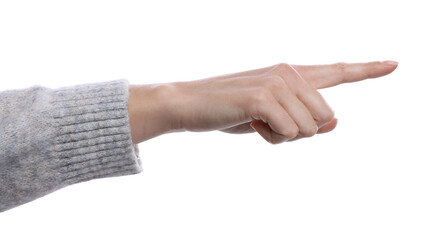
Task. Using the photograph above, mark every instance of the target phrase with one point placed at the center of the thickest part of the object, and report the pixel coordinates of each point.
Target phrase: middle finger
(310, 97)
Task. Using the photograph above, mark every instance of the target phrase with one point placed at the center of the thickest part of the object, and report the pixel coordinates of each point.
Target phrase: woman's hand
(280, 102)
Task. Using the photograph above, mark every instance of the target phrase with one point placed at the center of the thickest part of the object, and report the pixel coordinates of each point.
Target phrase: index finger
(324, 76)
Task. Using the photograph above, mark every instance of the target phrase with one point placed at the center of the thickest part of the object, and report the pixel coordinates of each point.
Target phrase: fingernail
(392, 63)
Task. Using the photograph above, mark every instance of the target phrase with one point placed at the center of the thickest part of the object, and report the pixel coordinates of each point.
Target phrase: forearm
(152, 110)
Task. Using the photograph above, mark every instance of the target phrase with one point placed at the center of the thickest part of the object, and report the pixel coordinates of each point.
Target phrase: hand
(280, 102)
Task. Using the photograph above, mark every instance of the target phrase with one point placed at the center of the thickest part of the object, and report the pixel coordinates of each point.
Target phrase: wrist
(152, 110)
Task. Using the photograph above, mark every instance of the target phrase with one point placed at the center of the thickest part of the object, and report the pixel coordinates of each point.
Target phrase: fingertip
(378, 69)
(389, 65)
(329, 126)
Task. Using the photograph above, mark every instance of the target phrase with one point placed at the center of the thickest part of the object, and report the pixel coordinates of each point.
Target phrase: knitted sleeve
(52, 138)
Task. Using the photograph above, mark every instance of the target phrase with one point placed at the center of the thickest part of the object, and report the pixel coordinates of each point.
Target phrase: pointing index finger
(324, 76)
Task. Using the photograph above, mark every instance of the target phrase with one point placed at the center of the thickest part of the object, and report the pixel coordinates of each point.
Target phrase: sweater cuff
(93, 136)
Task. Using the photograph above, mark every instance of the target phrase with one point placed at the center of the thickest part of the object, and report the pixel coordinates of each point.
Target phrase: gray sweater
(51, 138)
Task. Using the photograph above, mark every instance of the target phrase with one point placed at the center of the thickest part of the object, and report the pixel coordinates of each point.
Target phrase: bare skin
(280, 102)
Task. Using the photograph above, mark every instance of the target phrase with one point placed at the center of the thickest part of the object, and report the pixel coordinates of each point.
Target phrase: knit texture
(52, 138)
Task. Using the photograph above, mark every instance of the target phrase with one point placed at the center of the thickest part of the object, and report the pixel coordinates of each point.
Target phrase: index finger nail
(392, 63)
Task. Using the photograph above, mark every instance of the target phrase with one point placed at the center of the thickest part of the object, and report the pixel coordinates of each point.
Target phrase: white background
(364, 180)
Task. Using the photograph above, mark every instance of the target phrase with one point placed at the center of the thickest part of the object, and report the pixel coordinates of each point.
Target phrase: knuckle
(327, 116)
(309, 131)
(292, 133)
(273, 82)
(261, 95)
(341, 68)
(281, 68)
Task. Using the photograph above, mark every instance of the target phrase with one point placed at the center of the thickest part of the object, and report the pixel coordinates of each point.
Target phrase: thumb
(267, 132)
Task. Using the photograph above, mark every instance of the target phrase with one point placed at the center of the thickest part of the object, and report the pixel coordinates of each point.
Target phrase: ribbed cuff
(93, 137)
